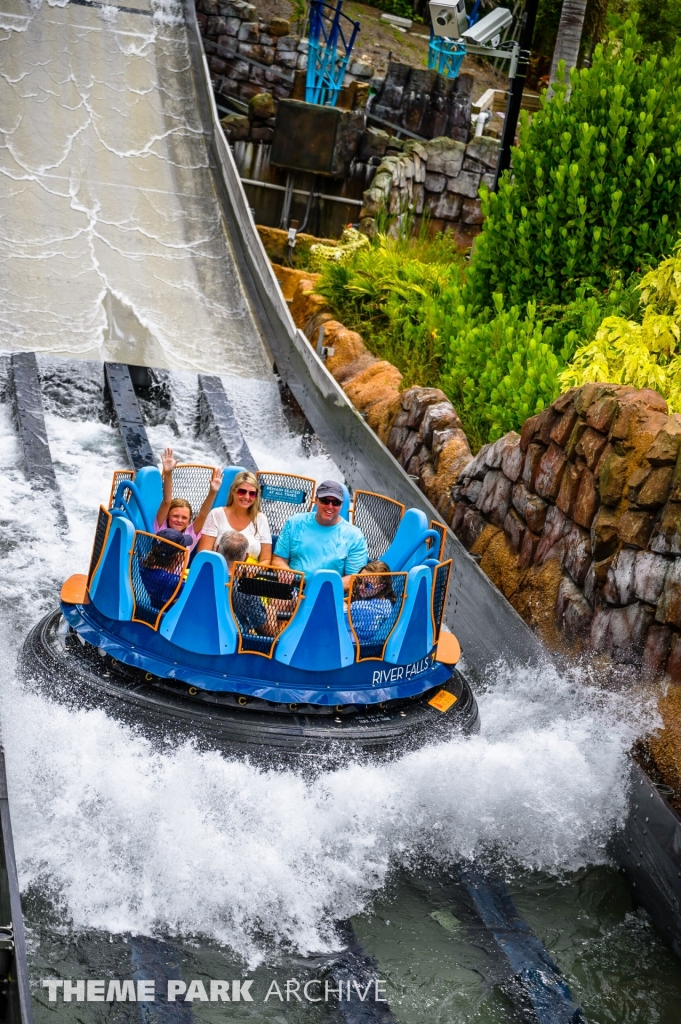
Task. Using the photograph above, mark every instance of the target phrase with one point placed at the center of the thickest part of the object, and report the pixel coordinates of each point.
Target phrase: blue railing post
(328, 52)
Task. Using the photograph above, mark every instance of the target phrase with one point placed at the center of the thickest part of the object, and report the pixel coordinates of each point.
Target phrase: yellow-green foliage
(351, 242)
(646, 354)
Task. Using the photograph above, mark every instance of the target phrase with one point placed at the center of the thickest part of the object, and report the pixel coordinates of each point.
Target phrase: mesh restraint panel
(263, 603)
(378, 518)
(440, 584)
(101, 533)
(120, 474)
(156, 571)
(434, 525)
(282, 495)
(374, 607)
(192, 482)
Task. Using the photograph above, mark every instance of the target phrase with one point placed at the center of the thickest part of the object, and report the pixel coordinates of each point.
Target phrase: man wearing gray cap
(321, 539)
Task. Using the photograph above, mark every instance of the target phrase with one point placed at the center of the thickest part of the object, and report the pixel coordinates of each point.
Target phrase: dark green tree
(595, 185)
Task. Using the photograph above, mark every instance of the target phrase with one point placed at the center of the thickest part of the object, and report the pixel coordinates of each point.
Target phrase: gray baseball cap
(331, 489)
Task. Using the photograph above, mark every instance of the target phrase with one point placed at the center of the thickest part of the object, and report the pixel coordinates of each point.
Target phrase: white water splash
(191, 843)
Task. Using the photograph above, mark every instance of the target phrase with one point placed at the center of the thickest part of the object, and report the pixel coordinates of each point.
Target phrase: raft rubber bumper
(55, 660)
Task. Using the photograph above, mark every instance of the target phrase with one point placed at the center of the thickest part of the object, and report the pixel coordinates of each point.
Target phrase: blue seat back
(200, 620)
(148, 491)
(283, 496)
(413, 637)
(110, 587)
(401, 556)
(317, 640)
(378, 518)
(345, 507)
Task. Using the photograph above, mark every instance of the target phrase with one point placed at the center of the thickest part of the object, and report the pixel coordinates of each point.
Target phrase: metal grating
(435, 525)
(101, 533)
(192, 482)
(378, 518)
(156, 568)
(282, 495)
(441, 576)
(120, 474)
(263, 603)
(374, 606)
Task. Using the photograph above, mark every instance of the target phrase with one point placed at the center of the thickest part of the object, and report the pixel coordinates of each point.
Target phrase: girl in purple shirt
(176, 513)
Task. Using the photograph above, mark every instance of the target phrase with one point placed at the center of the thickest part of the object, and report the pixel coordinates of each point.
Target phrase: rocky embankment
(419, 425)
(577, 520)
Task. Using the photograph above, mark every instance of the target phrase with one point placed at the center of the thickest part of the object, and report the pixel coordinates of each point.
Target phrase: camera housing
(488, 28)
(449, 18)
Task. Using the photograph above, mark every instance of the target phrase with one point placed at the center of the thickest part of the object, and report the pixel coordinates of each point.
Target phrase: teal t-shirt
(306, 545)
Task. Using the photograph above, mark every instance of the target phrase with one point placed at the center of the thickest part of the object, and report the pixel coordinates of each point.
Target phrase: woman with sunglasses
(241, 514)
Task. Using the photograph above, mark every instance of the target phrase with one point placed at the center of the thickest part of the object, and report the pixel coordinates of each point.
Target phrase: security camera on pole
(449, 19)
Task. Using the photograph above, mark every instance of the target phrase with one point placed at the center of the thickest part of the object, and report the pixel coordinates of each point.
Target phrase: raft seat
(263, 603)
(282, 495)
(156, 568)
(378, 518)
(317, 639)
(200, 620)
(191, 481)
(372, 614)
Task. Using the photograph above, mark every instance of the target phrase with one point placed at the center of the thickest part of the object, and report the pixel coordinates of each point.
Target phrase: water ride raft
(269, 662)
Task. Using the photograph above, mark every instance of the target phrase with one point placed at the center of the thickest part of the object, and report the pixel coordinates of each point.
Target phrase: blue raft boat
(269, 661)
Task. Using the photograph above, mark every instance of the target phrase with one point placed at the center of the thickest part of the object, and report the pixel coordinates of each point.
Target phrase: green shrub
(596, 186)
(385, 293)
(498, 371)
(402, 8)
(644, 351)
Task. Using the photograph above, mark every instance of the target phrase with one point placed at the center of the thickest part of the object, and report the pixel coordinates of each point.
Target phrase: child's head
(233, 547)
(168, 556)
(380, 586)
(179, 514)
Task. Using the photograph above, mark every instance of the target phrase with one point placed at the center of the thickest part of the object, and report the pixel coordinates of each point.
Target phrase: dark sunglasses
(243, 491)
(330, 501)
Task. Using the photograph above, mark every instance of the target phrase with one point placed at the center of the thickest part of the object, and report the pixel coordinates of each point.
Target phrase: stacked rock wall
(419, 425)
(592, 485)
(440, 179)
(277, 58)
(425, 102)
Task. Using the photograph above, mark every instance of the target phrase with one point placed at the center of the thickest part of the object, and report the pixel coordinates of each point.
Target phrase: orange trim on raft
(74, 589)
(448, 649)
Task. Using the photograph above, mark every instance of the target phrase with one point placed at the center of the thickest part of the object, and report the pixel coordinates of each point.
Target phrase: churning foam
(133, 839)
(188, 842)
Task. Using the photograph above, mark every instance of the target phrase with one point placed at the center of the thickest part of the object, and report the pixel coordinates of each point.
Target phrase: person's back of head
(233, 547)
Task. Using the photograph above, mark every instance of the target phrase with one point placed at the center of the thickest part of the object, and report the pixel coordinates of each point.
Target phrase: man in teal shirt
(321, 539)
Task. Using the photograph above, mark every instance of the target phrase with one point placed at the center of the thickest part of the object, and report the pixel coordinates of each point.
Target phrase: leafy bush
(646, 354)
(498, 372)
(402, 8)
(596, 185)
(386, 292)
